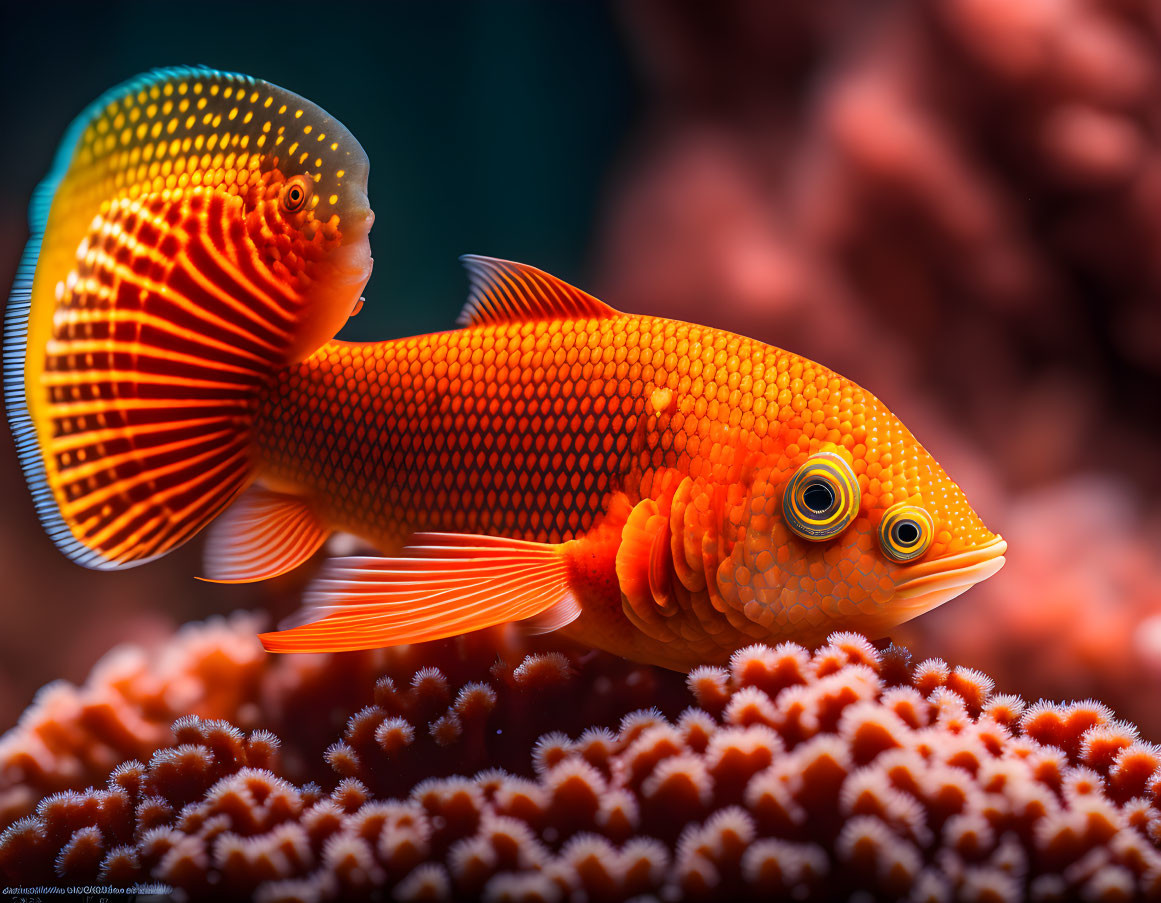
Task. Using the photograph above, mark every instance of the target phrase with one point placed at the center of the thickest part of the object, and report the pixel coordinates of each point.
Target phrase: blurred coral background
(956, 203)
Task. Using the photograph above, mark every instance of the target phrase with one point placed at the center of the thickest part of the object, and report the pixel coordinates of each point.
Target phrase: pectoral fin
(262, 535)
(450, 584)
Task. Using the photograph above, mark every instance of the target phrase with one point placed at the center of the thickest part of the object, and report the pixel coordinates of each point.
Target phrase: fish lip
(358, 223)
(364, 214)
(954, 573)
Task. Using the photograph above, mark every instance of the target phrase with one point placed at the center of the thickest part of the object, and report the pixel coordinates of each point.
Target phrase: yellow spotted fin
(198, 231)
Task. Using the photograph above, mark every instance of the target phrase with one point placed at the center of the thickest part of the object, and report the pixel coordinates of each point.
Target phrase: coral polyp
(790, 773)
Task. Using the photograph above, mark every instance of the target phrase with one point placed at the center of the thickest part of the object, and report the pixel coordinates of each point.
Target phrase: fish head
(280, 183)
(855, 527)
(313, 214)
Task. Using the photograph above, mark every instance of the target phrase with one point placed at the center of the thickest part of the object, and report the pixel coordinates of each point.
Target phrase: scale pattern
(662, 448)
(520, 430)
(524, 429)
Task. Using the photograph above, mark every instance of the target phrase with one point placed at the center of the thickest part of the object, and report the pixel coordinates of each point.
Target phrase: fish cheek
(754, 579)
(759, 579)
(311, 259)
(868, 581)
(802, 590)
(333, 285)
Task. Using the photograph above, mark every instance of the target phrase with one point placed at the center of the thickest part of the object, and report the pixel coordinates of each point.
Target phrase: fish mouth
(931, 583)
(356, 223)
(337, 289)
(351, 261)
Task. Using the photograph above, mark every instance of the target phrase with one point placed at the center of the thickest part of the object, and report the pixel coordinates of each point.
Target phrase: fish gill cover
(476, 770)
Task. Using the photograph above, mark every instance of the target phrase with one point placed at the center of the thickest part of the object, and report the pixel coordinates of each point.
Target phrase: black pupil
(907, 533)
(295, 195)
(818, 497)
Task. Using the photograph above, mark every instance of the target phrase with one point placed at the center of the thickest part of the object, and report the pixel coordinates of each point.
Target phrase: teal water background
(489, 126)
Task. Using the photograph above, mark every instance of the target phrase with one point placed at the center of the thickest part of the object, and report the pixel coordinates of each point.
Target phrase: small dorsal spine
(503, 291)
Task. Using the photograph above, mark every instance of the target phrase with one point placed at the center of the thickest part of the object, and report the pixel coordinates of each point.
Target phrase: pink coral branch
(793, 774)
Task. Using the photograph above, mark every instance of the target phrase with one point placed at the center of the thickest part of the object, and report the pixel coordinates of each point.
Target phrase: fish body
(655, 451)
(666, 491)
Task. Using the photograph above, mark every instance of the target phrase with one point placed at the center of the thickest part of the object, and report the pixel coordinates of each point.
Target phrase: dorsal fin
(503, 291)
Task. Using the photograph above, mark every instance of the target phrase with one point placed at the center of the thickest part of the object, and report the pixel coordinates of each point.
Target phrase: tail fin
(158, 292)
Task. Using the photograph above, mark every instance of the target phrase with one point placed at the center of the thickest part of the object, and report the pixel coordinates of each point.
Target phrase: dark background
(489, 126)
(957, 203)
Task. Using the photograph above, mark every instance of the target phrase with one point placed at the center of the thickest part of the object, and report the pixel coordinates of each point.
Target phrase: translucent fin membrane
(264, 534)
(453, 584)
(15, 349)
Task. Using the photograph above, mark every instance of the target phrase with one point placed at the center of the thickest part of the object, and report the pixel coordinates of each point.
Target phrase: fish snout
(931, 583)
(357, 222)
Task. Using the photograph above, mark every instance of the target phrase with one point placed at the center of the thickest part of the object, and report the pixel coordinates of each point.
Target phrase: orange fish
(662, 490)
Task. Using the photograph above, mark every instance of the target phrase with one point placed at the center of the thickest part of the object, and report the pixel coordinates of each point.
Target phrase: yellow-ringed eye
(294, 194)
(905, 532)
(822, 498)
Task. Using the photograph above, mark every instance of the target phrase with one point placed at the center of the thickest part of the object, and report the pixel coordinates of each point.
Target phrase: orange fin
(636, 541)
(262, 535)
(503, 291)
(643, 567)
(452, 584)
(646, 591)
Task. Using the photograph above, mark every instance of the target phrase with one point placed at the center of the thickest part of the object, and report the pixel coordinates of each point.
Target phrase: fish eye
(294, 194)
(822, 498)
(818, 496)
(905, 532)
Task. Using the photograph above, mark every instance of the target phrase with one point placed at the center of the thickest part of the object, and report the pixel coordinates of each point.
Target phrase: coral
(801, 774)
(418, 706)
(72, 736)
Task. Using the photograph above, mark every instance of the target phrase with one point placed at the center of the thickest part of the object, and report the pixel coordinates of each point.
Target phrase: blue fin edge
(20, 309)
